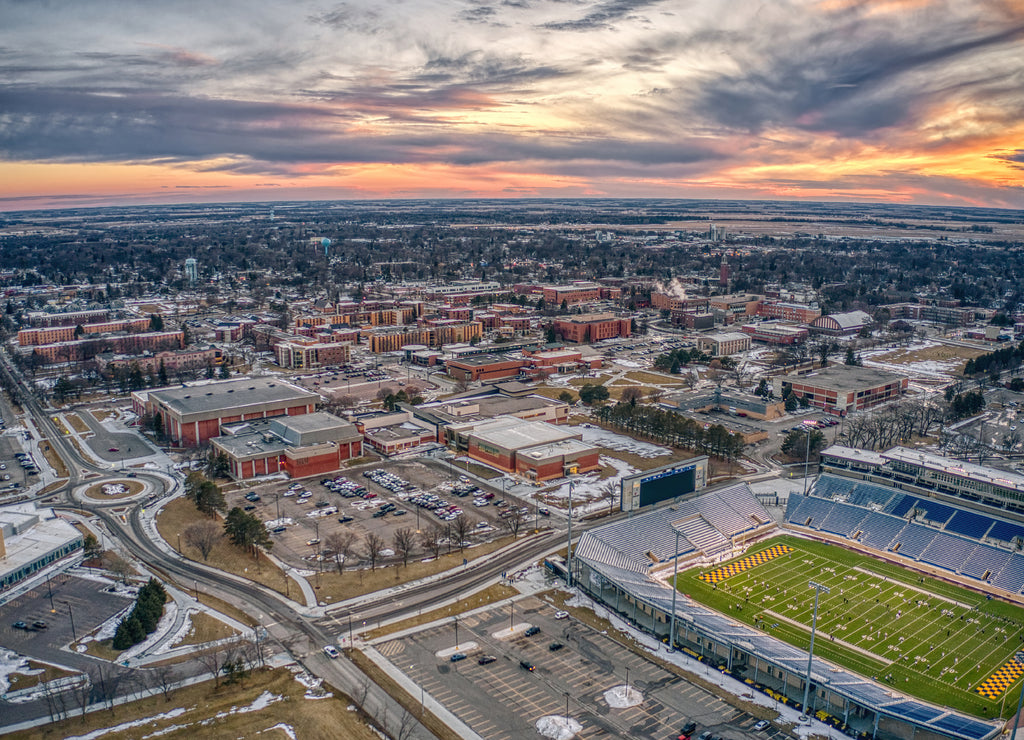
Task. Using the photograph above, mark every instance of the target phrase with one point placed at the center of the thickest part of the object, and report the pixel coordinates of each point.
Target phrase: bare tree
(655, 394)
(361, 692)
(610, 490)
(514, 521)
(343, 544)
(405, 541)
(632, 394)
(163, 678)
(118, 564)
(431, 540)
(203, 535)
(213, 662)
(461, 526)
(406, 727)
(372, 545)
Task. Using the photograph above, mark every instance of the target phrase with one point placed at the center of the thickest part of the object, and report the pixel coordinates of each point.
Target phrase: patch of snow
(623, 697)
(621, 443)
(627, 363)
(10, 662)
(285, 521)
(129, 725)
(387, 552)
(262, 701)
(286, 729)
(558, 727)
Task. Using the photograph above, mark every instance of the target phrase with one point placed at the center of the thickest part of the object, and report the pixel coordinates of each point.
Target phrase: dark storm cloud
(69, 126)
(852, 81)
(601, 15)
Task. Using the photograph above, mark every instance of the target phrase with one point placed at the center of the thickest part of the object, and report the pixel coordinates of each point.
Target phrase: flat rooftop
(556, 449)
(510, 433)
(478, 360)
(228, 394)
(958, 468)
(847, 377)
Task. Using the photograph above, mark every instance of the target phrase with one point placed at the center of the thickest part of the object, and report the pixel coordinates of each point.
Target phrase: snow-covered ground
(623, 697)
(938, 369)
(620, 442)
(558, 727)
(11, 662)
(587, 495)
(130, 725)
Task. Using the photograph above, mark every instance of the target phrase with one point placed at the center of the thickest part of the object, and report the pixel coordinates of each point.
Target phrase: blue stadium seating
(969, 524)
(866, 494)
(833, 486)
(1006, 531)
(900, 505)
(913, 540)
(843, 520)
(1011, 577)
(879, 530)
(934, 511)
(984, 560)
(948, 551)
(815, 509)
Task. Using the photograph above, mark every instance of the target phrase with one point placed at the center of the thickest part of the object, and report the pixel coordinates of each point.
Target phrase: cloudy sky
(143, 101)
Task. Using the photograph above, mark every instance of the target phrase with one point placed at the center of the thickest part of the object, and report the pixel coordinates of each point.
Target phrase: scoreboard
(661, 484)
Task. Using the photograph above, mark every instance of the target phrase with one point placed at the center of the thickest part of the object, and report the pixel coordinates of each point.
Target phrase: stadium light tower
(568, 550)
(818, 588)
(675, 590)
(807, 457)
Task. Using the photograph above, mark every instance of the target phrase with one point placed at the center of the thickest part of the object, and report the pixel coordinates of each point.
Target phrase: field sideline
(924, 637)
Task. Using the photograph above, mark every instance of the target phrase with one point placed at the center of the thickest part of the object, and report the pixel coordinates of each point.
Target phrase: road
(301, 637)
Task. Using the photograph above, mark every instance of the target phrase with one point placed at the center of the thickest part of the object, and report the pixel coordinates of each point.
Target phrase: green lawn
(924, 637)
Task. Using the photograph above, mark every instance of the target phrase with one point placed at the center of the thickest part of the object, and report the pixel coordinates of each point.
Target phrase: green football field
(923, 636)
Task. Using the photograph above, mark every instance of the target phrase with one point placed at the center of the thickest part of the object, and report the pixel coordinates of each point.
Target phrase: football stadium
(916, 566)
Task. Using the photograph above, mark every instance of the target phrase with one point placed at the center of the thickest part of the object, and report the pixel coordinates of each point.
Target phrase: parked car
(761, 725)
(19, 625)
(39, 624)
(485, 659)
(456, 657)
(531, 631)
(561, 614)
(555, 646)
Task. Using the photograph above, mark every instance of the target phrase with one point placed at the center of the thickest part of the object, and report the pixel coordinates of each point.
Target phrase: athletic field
(924, 637)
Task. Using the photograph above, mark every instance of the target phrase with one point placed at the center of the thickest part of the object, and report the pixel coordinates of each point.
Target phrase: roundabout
(113, 489)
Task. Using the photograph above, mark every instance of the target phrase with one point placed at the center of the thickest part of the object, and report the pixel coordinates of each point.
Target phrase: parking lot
(380, 500)
(80, 602)
(13, 474)
(502, 699)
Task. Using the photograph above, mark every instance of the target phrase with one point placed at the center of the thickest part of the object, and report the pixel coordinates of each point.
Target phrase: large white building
(30, 540)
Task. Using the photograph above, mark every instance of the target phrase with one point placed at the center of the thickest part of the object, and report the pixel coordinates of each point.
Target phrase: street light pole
(71, 615)
(818, 588)
(675, 590)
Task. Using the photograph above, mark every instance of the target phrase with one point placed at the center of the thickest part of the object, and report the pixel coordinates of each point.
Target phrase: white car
(561, 615)
(331, 652)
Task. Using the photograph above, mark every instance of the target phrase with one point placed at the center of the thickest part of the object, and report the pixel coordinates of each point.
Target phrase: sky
(907, 101)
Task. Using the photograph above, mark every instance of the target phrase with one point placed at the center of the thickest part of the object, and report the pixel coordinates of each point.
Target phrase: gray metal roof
(231, 394)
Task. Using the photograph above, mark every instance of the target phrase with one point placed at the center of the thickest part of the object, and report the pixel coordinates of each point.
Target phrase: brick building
(309, 355)
(193, 414)
(67, 318)
(725, 343)
(842, 388)
(484, 367)
(533, 449)
(301, 446)
(86, 349)
(840, 324)
(555, 295)
(771, 332)
(172, 360)
(798, 312)
(594, 327)
(53, 334)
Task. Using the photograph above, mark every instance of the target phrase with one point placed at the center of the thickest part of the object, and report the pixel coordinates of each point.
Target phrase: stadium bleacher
(722, 516)
(866, 494)
(985, 562)
(705, 538)
(1006, 532)
(849, 509)
(969, 524)
(913, 540)
(879, 530)
(843, 520)
(833, 487)
(1011, 577)
(948, 551)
